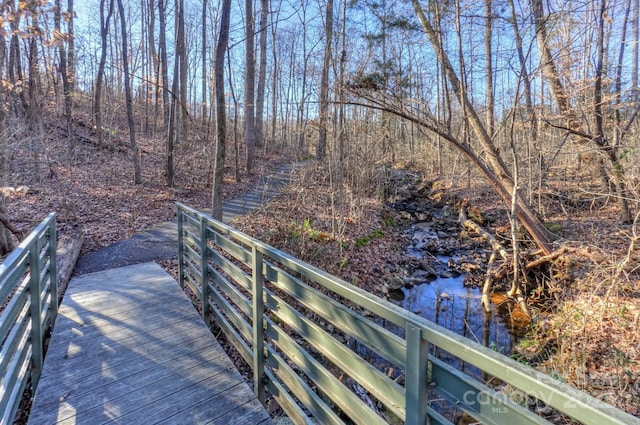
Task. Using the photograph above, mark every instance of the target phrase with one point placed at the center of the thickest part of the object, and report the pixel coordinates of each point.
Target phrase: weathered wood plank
(129, 347)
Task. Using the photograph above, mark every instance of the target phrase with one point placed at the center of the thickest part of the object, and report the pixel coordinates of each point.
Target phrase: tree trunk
(173, 123)
(249, 87)
(71, 51)
(262, 73)
(181, 50)
(135, 152)
(221, 127)
(204, 69)
(275, 65)
(64, 75)
(15, 72)
(495, 169)
(236, 109)
(97, 106)
(35, 106)
(618, 81)
(573, 125)
(635, 37)
(151, 33)
(321, 147)
(165, 66)
(488, 67)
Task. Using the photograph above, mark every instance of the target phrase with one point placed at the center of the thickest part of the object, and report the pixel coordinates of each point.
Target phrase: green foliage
(520, 358)
(389, 222)
(495, 347)
(363, 241)
(625, 154)
(307, 230)
(554, 228)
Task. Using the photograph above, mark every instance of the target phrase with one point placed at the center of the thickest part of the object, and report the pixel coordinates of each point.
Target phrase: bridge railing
(329, 352)
(28, 305)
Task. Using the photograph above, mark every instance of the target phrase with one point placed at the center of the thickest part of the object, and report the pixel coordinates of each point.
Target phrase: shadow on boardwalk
(160, 242)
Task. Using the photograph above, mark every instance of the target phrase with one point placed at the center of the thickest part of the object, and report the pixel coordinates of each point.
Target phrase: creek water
(447, 301)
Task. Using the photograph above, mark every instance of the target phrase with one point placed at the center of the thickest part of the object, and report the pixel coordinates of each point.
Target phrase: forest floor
(586, 330)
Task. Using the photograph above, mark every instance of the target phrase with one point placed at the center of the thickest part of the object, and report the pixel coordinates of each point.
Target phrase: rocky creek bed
(440, 277)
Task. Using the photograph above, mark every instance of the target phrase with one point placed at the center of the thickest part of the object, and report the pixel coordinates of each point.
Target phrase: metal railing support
(416, 376)
(258, 324)
(204, 268)
(35, 289)
(180, 249)
(53, 270)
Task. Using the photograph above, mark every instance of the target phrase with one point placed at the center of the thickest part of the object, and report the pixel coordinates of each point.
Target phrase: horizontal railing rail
(324, 349)
(29, 300)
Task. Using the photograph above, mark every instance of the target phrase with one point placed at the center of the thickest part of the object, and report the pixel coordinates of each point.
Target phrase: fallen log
(67, 253)
(496, 247)
(472, 225)
(546, 258)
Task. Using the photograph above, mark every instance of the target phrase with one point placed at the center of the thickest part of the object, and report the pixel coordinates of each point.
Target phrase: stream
(435, 281)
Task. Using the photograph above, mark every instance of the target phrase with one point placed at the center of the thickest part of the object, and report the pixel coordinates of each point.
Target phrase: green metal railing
(312, 340)
(28, 295)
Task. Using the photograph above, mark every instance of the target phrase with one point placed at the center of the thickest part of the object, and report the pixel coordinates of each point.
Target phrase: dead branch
(472, 225)
(546, 258)
(486, 302)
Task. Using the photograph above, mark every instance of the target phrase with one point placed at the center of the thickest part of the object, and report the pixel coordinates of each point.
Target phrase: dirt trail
(160, 241)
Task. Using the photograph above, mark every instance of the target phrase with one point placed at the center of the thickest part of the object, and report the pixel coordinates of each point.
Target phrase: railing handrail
(423, 372)
(29, 292)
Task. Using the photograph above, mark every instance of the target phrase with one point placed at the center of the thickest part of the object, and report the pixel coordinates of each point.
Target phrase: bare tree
(221, 127)
(635, 37)
(97, 102)
(71, 49)
(61, 39)
(181, 57)
(249, 86)
(135, 152)
(574, 127)
(488, 47)
(262, 72)
(321, 147)
(162, 46)
(204, 67)
(494, 167)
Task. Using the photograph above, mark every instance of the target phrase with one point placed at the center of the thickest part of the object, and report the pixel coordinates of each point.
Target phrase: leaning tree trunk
(495, 169)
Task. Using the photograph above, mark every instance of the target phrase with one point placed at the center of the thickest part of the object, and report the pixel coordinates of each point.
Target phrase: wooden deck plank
(128, 347)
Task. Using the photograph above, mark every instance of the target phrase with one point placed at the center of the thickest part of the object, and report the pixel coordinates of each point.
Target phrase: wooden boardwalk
(129, 348)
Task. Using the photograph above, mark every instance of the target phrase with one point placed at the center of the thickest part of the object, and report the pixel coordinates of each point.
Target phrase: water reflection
(447, 302)
(450, 304)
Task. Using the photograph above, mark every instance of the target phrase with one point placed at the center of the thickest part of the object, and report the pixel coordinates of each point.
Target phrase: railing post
(416, 376)
(53, 268)
(180, 249)
(204, 268)
(258, 323)
(36, 312)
